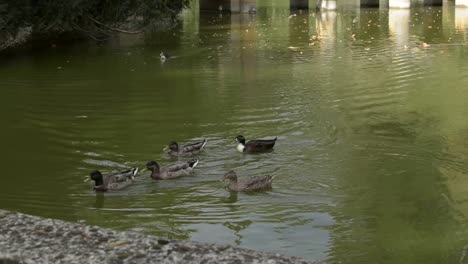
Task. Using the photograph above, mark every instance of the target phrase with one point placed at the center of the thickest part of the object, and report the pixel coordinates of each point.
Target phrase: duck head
(240, 144)
(240, 139)
(231, 176)
(173, 146)
(96, 176)
(152, 166)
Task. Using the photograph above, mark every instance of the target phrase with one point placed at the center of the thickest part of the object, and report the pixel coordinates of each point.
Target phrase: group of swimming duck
(120, 180)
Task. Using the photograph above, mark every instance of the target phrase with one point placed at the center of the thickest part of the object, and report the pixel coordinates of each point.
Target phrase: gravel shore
(31, 239)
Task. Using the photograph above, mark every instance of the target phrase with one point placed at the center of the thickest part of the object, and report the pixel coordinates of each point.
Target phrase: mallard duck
(171, 171)
(164, 55)
(191, 149)
(258, 145)
(257, 183)
(112, 182)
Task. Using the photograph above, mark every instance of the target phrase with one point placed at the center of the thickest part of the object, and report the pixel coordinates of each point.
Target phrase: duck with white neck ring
(164, 55)
(252, 146)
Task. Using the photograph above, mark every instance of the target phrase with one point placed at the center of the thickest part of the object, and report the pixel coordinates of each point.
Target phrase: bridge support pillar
(432, 2)
(370, 3)
(461, 3)
(298, 4)
(399, 3)
(326, 4)
(234, 6)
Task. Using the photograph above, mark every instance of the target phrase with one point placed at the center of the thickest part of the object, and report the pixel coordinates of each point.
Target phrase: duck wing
(176, 167)
(118, 180)
(256, 183)
(179, 169)
(194, 147)
(123, 176)
(260, 145)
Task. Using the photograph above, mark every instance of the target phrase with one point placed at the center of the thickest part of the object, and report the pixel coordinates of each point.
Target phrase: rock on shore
(30, 239)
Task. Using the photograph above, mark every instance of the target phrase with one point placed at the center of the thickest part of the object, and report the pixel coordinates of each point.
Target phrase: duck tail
(204, 143)
(193, 163)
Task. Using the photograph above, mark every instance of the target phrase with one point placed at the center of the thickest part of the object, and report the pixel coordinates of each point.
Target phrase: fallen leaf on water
(118, 243)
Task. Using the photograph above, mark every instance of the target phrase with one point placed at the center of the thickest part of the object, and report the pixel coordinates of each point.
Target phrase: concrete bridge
(249, 6)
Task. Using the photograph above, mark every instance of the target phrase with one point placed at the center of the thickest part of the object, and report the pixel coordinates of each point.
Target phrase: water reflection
(398, 23)
(99, 203)
(327, 5)
(461, 21)
(326, 29)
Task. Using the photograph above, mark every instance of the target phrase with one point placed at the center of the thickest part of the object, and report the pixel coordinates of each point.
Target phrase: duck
(164, 55)
(257, 183)
(258, 145)
(112, 182)
(172, 171)
(191, 149)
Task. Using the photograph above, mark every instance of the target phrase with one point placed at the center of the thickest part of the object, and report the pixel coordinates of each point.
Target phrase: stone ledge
(31, 239)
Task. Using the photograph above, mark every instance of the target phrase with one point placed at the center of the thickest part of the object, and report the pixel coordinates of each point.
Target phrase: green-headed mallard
(257, 183)
(114, 181)
(258, 145)
(171, 171)
(187, 150)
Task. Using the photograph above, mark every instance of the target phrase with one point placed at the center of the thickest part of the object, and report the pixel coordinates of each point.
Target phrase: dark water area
(369, 107)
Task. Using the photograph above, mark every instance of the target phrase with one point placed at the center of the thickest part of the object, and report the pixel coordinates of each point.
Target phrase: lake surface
(371, 160)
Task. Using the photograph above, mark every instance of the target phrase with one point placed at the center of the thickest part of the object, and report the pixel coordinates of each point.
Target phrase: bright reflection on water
(371, 160)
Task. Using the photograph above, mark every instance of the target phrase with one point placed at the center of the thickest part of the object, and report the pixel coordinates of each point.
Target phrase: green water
(371, 160)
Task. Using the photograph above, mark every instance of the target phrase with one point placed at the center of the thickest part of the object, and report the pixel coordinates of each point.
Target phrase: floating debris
(118, 243)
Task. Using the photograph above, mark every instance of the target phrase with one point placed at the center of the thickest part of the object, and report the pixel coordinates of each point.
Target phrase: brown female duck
(187, 150)
(170, 172)
(258, 145)
(257, 183)
(112, 182)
